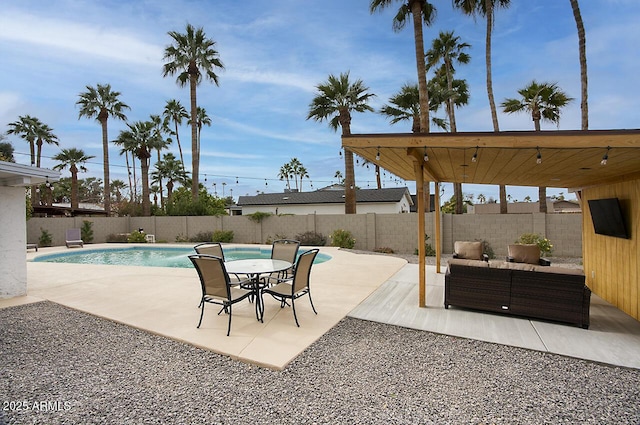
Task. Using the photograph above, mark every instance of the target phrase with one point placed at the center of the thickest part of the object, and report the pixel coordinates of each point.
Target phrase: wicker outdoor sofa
(541, 292)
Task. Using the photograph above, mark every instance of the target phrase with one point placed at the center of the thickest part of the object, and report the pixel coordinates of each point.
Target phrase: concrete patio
(370, 287)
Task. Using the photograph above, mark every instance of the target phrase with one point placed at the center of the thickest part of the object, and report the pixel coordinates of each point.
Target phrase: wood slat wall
(612, 265)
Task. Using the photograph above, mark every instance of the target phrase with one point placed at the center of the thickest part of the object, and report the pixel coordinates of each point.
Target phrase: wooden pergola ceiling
(570, 159)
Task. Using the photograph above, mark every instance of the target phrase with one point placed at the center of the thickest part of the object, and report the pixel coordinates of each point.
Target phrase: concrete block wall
(371, 231)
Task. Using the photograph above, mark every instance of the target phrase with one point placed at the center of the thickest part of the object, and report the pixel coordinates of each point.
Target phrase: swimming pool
(154, 256)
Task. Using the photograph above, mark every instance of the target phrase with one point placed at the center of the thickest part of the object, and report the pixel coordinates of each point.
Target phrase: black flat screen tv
(607, 217)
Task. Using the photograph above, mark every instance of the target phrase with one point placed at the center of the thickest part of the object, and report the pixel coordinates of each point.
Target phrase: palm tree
(35, 132)
(582, 47)
(422, 12)
(101, 103)
(172, 170)
(543, 101)
(487, 8)
(284, 173)
(125, 140)
(74, 159)
(174, 111)
(143, 139)
(338, 176)
(192, 56)
(336, 99)
(118, 186)
(448, 50)
(160, 128)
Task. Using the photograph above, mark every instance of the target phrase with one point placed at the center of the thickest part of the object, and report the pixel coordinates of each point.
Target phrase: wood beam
(419, 174)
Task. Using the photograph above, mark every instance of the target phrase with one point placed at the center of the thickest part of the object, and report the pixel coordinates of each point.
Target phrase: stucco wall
(12, 242)
(371, 231)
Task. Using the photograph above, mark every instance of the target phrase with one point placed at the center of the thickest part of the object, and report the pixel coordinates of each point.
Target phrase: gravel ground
(60, 366)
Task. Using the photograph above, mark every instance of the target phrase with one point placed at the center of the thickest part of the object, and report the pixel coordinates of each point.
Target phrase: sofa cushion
(468, 263)
(525, 253)
(512, 266)
(559, 270)
(468, 250)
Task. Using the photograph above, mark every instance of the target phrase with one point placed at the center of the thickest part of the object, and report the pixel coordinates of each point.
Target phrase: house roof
(17, 175)
(325, 197)
(568, 158)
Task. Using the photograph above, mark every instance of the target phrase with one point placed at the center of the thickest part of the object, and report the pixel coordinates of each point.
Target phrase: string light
(605, 157)
(539, 156)
(426, 157)
(378, 154)
(474, 158)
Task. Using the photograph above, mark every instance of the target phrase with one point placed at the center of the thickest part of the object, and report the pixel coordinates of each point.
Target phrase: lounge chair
(297, 286)
(73, 238)
(216, 286)
(32, 246)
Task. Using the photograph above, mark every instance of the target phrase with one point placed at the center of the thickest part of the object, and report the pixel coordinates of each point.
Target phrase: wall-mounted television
(607, 217)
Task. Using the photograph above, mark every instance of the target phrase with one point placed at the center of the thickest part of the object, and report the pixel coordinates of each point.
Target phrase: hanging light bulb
(340, 153)
(378, 154)
(236, 180)
(538, 157)
(605, 157)
(474, 158)
(426, 157)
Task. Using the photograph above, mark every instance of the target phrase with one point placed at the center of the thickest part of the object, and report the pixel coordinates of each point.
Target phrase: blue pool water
(153, 256)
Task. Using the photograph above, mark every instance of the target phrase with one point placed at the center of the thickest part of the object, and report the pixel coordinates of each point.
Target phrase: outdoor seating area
(372, 287)
(73, 238)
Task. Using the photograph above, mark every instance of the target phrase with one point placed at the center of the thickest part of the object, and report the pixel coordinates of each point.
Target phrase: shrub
(311, 238)
(136, 237)
(342, 239)
(45, 238)
(222, 236)
(487, 249)
(118, 238)
(181, 238)
(86, 231)
(532, 238)
(428, 249)
(202, 237)
(258, 216)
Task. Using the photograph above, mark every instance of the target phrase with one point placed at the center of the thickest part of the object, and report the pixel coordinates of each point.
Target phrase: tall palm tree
(174, 111)
(101, 103)
(192, 56)
(582, 47)
(23, 127)
(543, 101)
(335, 100)
(422, 12)
(284, 173)
(448, 50)
(487, 9)
(118, 186)
(74, 159)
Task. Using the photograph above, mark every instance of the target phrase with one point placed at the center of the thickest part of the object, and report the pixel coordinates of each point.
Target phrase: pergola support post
(418, 168)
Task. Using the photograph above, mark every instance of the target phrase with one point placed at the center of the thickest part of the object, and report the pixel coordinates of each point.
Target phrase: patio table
(255, 268)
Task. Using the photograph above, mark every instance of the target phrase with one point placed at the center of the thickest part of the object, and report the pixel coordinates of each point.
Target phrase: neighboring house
(526, 207)
(328, 201)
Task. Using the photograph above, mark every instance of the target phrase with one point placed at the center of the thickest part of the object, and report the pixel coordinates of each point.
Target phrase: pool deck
(371, 287)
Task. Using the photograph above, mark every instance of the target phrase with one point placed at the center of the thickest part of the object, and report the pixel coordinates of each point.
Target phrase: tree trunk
(105, 161)
(74, 186)
(503, 199)
(144, 156)
(542, 197)
(416, 11)
(349, 172)
(195, 154)
(179, 145)
(582, 43)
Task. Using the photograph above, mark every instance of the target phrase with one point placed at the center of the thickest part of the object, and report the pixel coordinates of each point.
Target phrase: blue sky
(275, 53)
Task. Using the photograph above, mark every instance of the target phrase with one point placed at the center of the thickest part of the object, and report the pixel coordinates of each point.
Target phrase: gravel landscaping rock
(61, 366)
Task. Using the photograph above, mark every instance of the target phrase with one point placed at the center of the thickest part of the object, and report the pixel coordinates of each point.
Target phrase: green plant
(532, 238)
(342, 239)
(428, 249)
(136, 237)
(202, 237)
(311, 238)
(86, 231)
(384, 250)
(181, 238)
(258, 216)
(222, 236)
(45, 238)
(488, 250)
